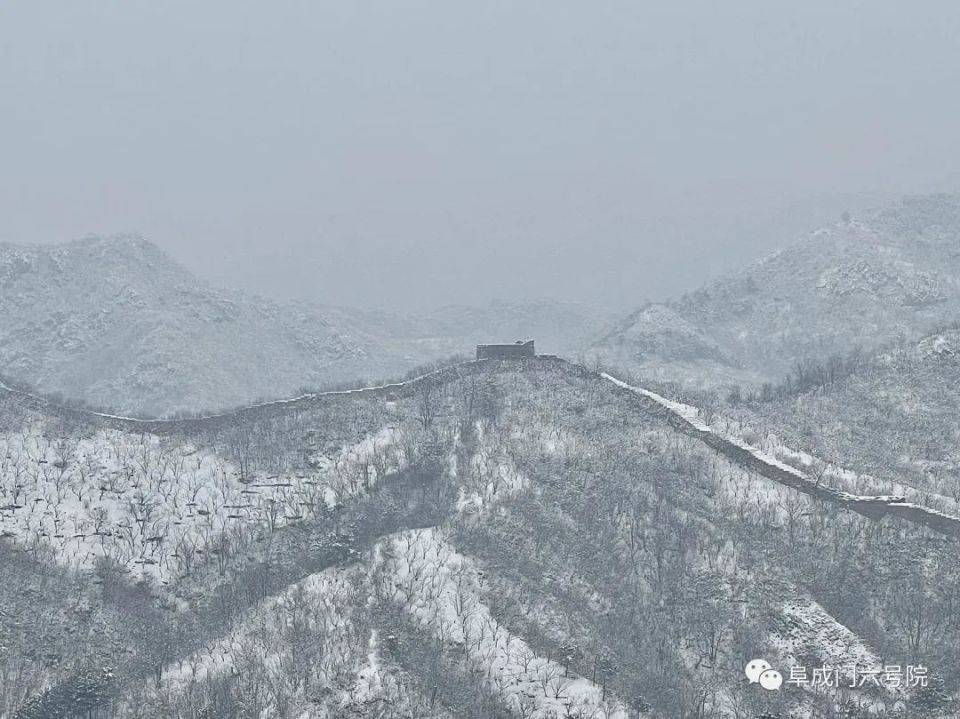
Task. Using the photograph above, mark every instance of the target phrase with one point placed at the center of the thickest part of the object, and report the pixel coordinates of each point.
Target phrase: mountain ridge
(116, 322)
(515, 541)
(859, 282)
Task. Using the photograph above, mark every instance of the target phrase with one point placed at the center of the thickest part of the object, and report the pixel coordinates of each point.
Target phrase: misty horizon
(264, 274)
(411, 156)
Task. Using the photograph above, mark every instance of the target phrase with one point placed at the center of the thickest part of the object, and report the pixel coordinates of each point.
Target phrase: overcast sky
(404, 153)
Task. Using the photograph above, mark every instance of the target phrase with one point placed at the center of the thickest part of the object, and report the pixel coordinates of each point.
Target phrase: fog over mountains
(862, 282)
(117, 323)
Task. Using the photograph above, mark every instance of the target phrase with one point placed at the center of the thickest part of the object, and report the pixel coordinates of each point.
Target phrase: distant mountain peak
(858, 282)
(116, 321)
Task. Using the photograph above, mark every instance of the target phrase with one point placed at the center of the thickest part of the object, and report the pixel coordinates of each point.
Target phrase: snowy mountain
(495, 540)
(116, 322)
(894, 415)
(487, 540)
(862, 282)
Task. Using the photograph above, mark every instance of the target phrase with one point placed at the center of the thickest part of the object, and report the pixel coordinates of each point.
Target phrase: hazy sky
(403, 153)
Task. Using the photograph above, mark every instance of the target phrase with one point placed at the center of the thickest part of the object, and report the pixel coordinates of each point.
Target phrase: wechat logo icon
(760, 672)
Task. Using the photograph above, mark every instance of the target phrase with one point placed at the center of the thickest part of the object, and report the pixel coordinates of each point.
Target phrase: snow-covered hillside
(499, 540)
(115, 322)
(893, 417)
(859, 283)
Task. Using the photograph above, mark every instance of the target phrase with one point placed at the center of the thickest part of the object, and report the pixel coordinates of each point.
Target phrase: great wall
(734, 449)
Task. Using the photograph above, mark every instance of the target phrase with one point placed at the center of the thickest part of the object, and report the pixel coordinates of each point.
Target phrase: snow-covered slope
(498, 541)
(116, 322)
(862, 282)
(895, 417)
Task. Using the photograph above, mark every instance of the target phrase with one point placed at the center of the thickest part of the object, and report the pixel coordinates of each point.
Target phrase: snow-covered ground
(438, 587)
(310, 647)
(490, 474)
(811, 630)
(830, 474)
(317, 603)
(938, 511)
(441, 589)
(812, 641)
(157, 506)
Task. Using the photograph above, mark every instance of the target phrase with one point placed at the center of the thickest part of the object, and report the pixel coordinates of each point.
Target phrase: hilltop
(862, 282)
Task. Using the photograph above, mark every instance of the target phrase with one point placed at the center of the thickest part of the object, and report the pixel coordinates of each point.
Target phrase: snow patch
(441, 589)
